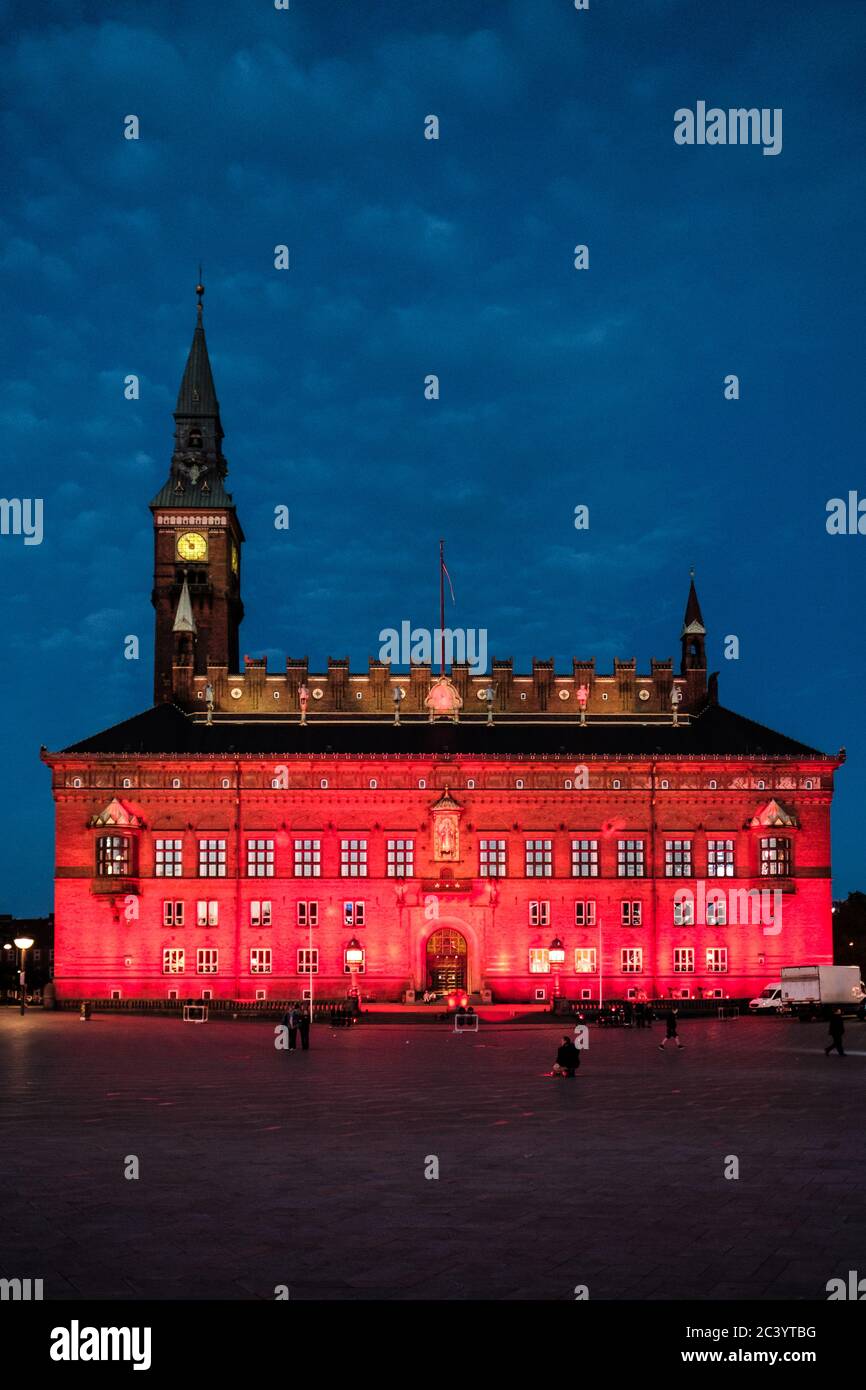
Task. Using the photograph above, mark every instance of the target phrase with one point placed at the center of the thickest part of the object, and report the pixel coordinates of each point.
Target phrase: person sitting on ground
(567, 1058)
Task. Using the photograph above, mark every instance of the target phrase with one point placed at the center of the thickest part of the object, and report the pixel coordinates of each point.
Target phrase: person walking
(671, 1030)
(305, 1028)
(567, 1058)
(837, 1029)
(291, 1020)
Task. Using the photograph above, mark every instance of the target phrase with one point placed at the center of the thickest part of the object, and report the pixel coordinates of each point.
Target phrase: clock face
(236, 559)
(192, 545)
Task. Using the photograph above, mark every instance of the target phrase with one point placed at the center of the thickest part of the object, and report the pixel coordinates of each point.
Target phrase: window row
(114, 857)
(631, 960)
(260, 959)
(261, 913)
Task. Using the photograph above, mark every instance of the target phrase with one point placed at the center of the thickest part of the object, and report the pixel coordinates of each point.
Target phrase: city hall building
(258, 834)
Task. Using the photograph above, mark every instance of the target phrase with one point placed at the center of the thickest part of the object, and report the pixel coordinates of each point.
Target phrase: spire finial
(691, 571)
(199, 289)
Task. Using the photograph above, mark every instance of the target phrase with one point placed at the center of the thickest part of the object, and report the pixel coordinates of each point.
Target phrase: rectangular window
(353, 858)
(206, 960)
(684, 912)
(585, 960)
(173, 958)
(491, 858)
(584, 858)
(539, 914)
(632, 960)
(401, 858)
(353, 914)
(720, 858)
(260, 914)
(775, 857)
(308, 859)
(584, 912)
(260, 858)
(630, 912)
(678, 858)
(207, 913)
(211, 858)
(308, 960)
(717, 959)
(260, 960)
(539, 858)
(113, 857)
(172, 913)
(630, 858)
(308, 913)
(169, 858)
(717, 912)
(684, 960)
(539, 960)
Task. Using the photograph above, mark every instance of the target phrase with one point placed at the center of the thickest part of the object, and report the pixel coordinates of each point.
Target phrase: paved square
(260, 1168)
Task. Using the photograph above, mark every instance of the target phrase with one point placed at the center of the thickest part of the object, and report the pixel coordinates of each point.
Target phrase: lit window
(324, 784)
(616, 784)
(207, 913)
(539, 859)
(422, 784)
(308, 960)
(401, 858)
(717, 959)
(630, 912)
(632, 960)
(585, 960)
(353, 914)
(664, 784)
(491, 858)
(211, 858)
(630, 858)
(172, 913)
(260, 914)
(308, 913)
(260, 960)
(720, 858)
(713, 786)
(678, 858)
(113, 855)
(584, 912)
(373, 784)
(173, 958)
(308, 859)
(207, 960)
(175, 782)
(717, 911)
(539, 960)
(169, 858)
(519, 784)
(353, 858)
(775, 857)
(127, 782)
(584, 858)
(684, 960)
(684, 912)
(539, 914)
(470, 785)
(260, 858)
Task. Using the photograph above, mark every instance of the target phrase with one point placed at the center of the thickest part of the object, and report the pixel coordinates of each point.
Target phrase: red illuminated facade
(256, 834)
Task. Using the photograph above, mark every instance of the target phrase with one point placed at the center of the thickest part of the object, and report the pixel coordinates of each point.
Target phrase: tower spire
(693, 635)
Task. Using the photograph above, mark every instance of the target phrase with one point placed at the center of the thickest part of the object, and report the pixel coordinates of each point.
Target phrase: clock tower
(197, 541)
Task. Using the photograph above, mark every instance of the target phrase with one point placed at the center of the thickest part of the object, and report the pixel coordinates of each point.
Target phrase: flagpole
(442, 608)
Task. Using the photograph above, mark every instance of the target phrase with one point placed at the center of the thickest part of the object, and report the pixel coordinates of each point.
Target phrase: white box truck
(811, 991)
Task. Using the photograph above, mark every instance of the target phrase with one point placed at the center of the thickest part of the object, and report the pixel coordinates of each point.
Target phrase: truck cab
(769, 1001)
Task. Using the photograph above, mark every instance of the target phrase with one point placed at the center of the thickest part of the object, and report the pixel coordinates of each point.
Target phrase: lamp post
(556, 956)
(354, 959)
(23, 943)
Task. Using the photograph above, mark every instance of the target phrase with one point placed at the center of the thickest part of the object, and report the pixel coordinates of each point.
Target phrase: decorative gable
(116, 814)
(774, 815)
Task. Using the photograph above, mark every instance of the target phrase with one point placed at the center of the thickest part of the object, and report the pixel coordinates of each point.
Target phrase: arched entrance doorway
(446, 960)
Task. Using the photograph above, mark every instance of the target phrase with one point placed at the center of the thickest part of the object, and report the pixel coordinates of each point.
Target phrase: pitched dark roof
(193, 496)
(166, 729)
(693, 612)
(197, 394)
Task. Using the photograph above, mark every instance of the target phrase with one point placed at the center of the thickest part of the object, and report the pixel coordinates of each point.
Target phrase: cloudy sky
(559, 387)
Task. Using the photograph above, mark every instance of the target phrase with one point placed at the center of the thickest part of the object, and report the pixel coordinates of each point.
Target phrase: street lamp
(23, 943)
(556, 956)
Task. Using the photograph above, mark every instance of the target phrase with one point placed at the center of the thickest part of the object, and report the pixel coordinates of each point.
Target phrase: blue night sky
(409, 257)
